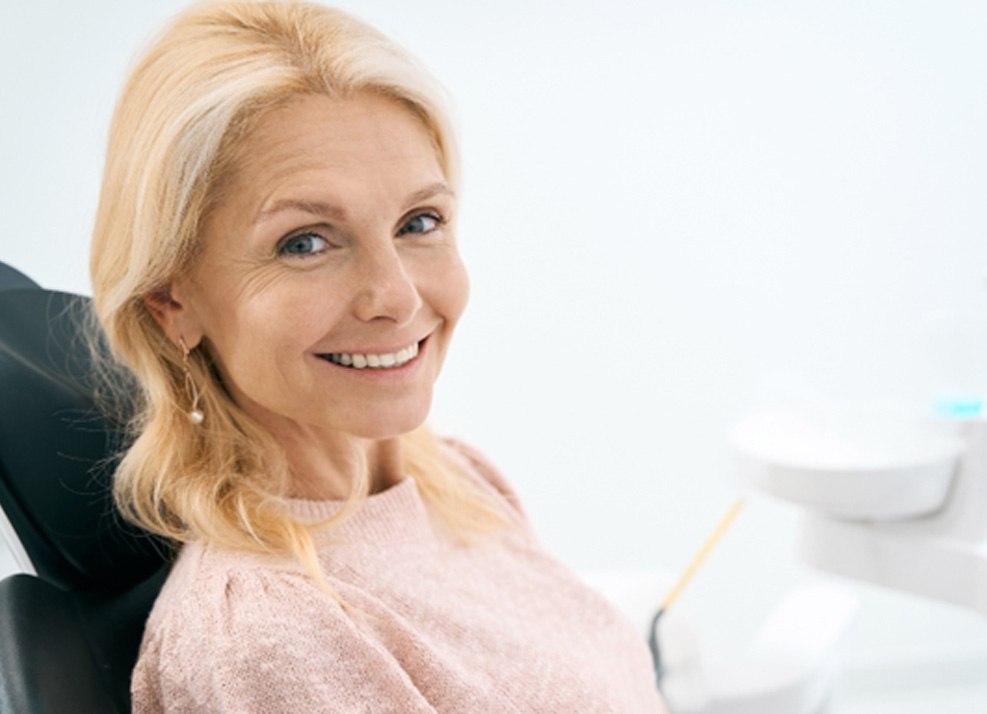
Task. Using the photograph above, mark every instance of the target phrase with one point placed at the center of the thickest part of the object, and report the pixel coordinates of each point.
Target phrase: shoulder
(217, 610)
(218, 593)
(242, 632)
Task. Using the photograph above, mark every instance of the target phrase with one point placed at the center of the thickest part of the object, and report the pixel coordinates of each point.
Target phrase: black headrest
(57, 447)
(12, 279)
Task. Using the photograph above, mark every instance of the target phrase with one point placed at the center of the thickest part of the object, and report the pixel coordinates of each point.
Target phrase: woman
(274, 258)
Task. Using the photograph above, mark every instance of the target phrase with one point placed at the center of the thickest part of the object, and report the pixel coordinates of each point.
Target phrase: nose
(386, 290)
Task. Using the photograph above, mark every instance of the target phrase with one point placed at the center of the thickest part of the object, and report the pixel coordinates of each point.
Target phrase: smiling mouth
(389, 360)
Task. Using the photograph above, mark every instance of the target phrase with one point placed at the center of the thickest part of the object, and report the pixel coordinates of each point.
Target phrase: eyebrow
(321, 208)
(431, 191)
(318, 208)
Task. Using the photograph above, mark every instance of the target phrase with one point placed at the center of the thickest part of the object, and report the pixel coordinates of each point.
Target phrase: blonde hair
(204, 82)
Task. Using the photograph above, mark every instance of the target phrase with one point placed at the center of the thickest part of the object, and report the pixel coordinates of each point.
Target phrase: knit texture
(498, 626)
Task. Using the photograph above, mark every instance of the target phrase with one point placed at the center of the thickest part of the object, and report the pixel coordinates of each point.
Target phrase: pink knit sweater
(495, 627)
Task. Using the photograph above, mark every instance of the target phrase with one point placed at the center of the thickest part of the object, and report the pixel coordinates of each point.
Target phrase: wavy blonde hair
(196, 93)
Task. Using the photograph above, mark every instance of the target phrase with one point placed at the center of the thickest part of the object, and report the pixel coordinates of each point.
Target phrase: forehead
(363, 140)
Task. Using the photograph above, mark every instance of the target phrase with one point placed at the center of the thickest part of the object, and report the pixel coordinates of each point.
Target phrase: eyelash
(287, 240)
(282, 245)
(438, 218)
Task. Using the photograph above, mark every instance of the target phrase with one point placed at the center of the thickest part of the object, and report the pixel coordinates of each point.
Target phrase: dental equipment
(896, 501)
(684, 579)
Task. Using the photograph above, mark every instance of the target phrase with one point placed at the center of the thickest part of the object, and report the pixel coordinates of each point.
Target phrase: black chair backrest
(68, 637)
(56, 448)
(11, 278)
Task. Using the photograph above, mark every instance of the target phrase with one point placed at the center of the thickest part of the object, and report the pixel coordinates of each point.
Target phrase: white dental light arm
(889, 500)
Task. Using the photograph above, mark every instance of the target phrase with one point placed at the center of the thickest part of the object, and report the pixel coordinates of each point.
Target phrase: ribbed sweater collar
(397, 513)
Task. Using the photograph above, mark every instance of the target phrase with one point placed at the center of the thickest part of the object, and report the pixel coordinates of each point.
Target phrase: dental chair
(11, 279)
(71, 623)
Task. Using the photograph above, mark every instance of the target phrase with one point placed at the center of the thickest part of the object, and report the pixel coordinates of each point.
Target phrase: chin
(389, 426)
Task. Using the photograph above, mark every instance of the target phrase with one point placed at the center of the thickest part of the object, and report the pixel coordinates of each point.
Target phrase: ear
(170, 308)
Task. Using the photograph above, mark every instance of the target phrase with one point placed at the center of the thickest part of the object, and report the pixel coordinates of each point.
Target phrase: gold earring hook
(195, 414)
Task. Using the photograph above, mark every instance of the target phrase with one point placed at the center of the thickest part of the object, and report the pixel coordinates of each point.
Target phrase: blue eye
(421, 224)
(302, 244)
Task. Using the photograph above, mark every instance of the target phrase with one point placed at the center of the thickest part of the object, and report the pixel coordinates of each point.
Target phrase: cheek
(452, 291)
(252, 342)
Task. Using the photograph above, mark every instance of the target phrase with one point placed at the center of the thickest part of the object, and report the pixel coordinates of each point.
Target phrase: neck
(324, 471)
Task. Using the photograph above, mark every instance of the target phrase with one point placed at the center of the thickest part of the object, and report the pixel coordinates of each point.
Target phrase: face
(329, 282)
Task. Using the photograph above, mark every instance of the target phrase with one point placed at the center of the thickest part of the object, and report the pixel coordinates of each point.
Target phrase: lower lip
(382, 374)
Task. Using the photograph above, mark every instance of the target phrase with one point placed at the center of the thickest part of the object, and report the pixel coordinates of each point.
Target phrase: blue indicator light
(963, 407)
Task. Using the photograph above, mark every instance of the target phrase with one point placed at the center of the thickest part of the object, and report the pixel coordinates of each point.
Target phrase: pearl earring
(195, 414)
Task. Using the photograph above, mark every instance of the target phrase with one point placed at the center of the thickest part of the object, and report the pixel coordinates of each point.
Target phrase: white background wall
(674, 211)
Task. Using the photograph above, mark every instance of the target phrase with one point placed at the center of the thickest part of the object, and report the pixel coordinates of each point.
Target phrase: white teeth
(372, 361)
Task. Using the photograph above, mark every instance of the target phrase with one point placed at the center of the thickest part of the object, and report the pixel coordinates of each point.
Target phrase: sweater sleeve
(267, 642)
